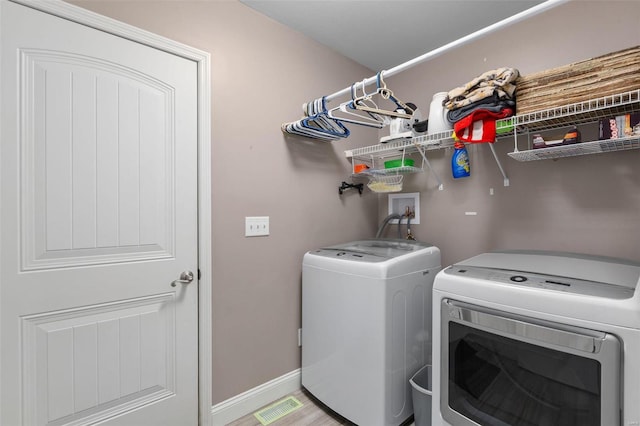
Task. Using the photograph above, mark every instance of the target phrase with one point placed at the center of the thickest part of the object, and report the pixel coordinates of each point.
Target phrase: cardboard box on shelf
(620, 126)
(609, 74)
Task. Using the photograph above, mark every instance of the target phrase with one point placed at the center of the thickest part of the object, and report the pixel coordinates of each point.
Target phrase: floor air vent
(277, 410)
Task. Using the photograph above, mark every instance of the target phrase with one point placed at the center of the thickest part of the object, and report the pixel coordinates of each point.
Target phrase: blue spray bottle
(460, 161)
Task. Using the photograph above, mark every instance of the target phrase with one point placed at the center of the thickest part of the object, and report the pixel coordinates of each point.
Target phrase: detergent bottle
(460, 161)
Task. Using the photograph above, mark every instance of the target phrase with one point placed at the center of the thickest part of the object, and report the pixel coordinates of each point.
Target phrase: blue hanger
(317, 124)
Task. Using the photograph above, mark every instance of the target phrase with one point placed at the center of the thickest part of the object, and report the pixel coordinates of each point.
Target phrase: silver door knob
(185, 278)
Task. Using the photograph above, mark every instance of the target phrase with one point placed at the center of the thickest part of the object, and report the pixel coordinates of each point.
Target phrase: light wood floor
(313, 413)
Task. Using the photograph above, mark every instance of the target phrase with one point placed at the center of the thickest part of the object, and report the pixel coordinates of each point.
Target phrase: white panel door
(98, 209)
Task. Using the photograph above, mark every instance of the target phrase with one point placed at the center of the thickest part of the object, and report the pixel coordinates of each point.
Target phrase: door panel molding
(85, 232)
(89, 344)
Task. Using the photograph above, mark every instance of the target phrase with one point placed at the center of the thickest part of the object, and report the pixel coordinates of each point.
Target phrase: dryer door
(499, 369)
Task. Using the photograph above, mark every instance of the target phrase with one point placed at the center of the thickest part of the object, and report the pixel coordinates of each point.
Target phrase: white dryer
(538, 339)
(366, 322)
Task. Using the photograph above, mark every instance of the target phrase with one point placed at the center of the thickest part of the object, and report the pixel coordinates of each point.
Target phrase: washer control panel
(354, 256)
(547, 282)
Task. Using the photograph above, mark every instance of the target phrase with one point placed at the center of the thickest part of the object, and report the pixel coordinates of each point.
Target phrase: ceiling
(381, 34)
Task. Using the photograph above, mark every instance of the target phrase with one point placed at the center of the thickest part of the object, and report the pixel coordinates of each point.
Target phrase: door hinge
(199, 274)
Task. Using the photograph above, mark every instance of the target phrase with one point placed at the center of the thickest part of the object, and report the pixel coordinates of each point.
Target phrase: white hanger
(385, 93)
(348, 108)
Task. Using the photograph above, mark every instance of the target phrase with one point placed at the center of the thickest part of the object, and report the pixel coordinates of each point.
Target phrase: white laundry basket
(421, 395)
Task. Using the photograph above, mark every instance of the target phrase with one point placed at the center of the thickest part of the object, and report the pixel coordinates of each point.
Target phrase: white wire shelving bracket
(505, 179)
(573, 114)
(426, 161)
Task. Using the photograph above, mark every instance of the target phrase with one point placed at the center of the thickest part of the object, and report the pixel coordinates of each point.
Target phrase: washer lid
(381, 247)
(352, 255)
(607, 270)
(382, 258)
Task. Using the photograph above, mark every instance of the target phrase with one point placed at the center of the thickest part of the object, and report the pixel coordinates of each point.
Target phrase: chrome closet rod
(461, 41)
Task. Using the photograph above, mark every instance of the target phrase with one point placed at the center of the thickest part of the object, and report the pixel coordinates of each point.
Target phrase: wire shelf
(382, 150)
(584, 148)
(434, 141)
(573, 114)
(408, 146)
(418, 144)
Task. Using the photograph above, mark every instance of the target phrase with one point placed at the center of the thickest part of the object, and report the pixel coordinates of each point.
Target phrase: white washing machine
(537, 339)
(366, 322)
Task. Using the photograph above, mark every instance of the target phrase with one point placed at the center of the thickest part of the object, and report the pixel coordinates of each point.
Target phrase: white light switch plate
(256, 226)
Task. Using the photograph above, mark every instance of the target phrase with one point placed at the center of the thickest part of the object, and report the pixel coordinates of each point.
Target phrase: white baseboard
(253, 399)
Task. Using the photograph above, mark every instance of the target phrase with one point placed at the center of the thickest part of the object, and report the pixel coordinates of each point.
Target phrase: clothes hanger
(406, 107)
(348, 108)
(317, 125)
(324, 124)
(385, 93)
(304, 129)
(322, 118)
(366, 100)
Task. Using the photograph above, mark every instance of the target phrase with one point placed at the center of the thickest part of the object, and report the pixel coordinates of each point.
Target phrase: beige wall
(583, 204)
(262, 72)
